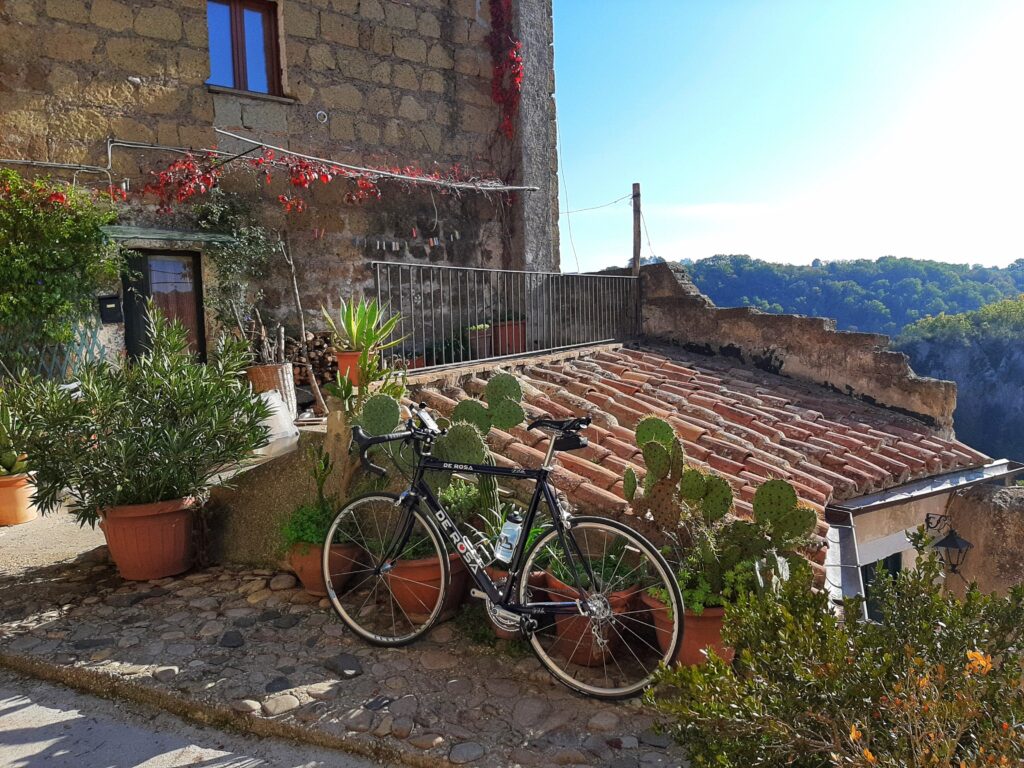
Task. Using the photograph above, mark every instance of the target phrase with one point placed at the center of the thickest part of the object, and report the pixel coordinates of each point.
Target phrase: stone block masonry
(369, 82)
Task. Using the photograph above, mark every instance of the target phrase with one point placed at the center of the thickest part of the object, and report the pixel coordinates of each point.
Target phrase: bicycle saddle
(561, 425)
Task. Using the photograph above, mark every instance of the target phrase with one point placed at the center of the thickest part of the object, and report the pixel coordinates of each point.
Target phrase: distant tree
(880, 296)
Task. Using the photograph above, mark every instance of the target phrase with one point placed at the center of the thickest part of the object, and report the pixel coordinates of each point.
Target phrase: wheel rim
(386, 600)
(612, 646)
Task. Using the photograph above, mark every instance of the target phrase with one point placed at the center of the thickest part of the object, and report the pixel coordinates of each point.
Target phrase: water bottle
(508, 538)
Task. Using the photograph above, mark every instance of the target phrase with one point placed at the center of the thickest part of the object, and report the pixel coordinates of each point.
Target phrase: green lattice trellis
(58, 361)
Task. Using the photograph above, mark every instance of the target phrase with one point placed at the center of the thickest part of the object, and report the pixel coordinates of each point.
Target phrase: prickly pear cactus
(462, 444)
(717, 499)
(692, 485)
(380, 414)
(652, 428)
(503, 411)
(657, 460)
(629, 484)
(474, 412)
(503, 386)
(777, 510)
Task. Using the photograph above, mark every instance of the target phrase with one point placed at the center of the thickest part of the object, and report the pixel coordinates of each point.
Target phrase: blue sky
(793, 129)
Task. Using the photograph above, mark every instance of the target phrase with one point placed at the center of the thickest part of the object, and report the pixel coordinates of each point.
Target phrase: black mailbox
(110, 309)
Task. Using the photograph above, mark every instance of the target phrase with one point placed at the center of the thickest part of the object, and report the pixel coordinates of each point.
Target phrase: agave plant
(362, 325)
(12, 462)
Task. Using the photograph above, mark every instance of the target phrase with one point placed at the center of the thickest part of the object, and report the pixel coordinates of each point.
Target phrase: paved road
(45, 541)
(48, 726)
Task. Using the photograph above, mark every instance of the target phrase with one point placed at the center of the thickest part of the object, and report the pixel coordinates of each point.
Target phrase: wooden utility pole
(636, 229)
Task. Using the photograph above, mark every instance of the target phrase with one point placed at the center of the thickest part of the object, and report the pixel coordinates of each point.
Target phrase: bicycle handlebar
(365, 441)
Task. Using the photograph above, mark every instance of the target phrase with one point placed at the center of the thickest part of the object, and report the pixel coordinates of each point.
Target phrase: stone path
(48, 726)
(250, 642)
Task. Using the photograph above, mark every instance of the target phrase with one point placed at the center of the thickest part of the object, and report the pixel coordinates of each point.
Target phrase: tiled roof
(742, 423)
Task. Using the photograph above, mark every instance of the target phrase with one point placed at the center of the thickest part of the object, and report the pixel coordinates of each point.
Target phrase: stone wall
(992, 518)
(369, 82)
(808, 348)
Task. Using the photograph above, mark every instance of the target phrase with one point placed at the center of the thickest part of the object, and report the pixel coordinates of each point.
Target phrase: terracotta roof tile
(742, 423)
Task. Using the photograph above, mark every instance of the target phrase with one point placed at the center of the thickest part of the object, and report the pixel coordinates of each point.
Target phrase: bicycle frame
(420, 491)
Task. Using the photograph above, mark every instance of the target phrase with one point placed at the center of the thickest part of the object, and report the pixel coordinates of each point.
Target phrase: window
(892, 565)
(173, 280)
(243, 45)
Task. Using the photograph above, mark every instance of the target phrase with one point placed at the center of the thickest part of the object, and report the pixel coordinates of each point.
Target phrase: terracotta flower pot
(415, 583)
(574, 640)
(15, 504)
(305, 560)
(275, 376)
(348, 366)
(480, 343)
(509, 337)
(150, 541)
(700, 631)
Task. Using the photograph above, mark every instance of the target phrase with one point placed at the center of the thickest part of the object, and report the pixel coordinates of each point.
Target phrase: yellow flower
(854, 733)
(979, 662)
(869, 756)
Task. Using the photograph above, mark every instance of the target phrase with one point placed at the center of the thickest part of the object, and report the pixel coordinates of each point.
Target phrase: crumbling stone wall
(991, 517)
(808, 348)
(368, 82)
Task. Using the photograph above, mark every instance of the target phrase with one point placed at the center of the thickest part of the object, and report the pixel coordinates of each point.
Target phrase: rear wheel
(387, 587)
(626, 621)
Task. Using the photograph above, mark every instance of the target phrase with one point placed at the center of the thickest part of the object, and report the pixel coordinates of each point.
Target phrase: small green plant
(309, 522)
(12, 461)
(362, 326)
(479, 327)
(163, 427)
(503, 410)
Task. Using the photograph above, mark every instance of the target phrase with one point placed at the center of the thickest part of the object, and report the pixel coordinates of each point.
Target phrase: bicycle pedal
(478, 594)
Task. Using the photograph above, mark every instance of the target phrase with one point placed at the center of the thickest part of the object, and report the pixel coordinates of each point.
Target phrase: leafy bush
(157, 429)
(937, 683)
(53, 259)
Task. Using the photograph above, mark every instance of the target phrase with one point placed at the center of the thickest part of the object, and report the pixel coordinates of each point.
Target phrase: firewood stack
(321, 358)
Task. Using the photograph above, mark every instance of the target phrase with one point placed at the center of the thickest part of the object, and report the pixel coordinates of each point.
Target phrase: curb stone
(108, 687)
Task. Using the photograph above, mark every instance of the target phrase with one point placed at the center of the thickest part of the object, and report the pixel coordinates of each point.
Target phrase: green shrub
(163, 427)
(938, 682)
(309, 523)
(53, 259)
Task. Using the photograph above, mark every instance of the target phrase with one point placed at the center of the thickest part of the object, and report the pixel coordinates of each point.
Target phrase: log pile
(321, 358)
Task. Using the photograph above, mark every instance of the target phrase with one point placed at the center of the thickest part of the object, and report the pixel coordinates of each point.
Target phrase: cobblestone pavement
(251, 641)
(48, 726)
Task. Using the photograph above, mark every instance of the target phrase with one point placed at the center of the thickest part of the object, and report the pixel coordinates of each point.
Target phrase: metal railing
(452, 315)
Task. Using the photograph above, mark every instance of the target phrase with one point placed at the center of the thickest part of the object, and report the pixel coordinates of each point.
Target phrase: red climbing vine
(193, 174)
(507, 65)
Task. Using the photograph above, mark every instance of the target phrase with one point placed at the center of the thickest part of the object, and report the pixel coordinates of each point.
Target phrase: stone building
(96, 90)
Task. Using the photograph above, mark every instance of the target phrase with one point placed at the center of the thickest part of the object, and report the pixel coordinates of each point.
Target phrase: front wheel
(385, 569)
(624, 623)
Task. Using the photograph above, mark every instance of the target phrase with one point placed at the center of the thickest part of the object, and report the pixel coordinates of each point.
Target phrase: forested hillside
(882, 295)
(983, 352)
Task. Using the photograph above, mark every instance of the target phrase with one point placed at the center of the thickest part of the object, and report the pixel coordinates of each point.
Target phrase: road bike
(573, 586)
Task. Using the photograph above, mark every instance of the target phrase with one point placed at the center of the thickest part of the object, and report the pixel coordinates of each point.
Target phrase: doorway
(173, 280)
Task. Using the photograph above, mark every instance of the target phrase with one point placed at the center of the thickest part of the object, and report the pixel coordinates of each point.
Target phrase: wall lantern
(951, 547)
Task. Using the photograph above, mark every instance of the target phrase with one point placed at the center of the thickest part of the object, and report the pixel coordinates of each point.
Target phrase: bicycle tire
(548, 652)
(340, 585)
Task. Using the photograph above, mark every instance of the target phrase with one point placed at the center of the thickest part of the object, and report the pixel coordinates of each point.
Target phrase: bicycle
(573, 586)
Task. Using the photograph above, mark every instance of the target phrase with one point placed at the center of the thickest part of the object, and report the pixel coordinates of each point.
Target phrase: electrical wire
(565, 190)
(477, 185)
(650, 248)
(596, 207)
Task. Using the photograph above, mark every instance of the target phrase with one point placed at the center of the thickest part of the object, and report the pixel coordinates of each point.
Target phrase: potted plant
(510, 335)
(480, 339)
(575, 638)
(136, 447)
(735, 557)
(305, 531)
(362, 329)
(15, 491)
(268, 369)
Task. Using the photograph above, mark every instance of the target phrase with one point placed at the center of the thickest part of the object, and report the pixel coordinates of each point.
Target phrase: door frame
(137, 289)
